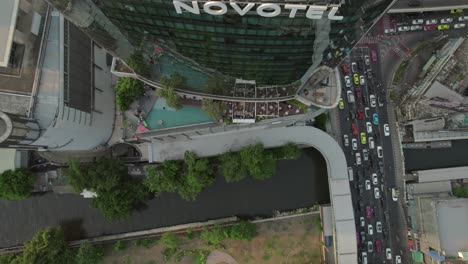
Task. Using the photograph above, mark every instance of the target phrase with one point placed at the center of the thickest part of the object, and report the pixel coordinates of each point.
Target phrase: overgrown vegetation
(138, 64)
(321, 121)
(127, 91)
(394, 97)
(400, 71)
(298, 104)
(460, 192)
(318, 223)
(89, 254)
(214, 109)
(16, 184)
(168, 90)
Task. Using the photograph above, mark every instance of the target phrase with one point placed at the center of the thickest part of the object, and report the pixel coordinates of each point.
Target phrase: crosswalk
(386, 21)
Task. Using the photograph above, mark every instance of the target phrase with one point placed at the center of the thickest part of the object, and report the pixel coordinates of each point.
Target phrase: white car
(369, 127)
(379, 152)
(389, 30)
(431, 22)
(372, 100)
(417, 21)
(367, 112)
(416, 28)
(378, 226)
(403, 28)
(375, 181)
(459, 26)
(446, 20)
(386, 130)
(346, 140)
(347, 81)
(397, 259)
(358, 158)
(463, 18)
(354, 67)
(376, 193)
(362, 80)
(365, 153)
(395, 194)
(354, 143)
(370, 230)
(364, 258)
(367, 59)
(368, 186)
(371, 142)
(370, 247)
(388, 253)
(363, 221)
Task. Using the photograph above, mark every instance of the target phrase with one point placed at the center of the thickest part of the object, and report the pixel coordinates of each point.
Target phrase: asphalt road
(386, 211)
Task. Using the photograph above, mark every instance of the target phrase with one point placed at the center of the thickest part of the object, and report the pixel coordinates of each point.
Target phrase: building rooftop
(7, 159)
(445, 174)
(452, 216)
(430, 187)
(8, 13)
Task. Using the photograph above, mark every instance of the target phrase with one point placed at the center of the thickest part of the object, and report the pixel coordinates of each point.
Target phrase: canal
(297, 184)
(425, 159)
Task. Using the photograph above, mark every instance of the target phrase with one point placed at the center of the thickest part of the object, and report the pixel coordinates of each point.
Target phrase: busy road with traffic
(366, 142)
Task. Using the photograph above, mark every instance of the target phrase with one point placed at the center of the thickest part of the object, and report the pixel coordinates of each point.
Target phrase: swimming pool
(187, 115)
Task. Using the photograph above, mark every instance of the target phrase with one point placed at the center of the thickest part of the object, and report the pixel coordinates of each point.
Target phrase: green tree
(48, 246)
(16, 184)
(214, 235)
(232, 167)
(170, 240)
(197, 176)
(138, 64)
(260, 165)
(461, 192)
(243, 231)
(127, 91)
(89, 254)
(214, 109)
(289, 151)
(172, 99)
(164, 177)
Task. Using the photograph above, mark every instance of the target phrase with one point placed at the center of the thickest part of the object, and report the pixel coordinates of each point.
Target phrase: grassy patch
(298, 104)
(400, 71)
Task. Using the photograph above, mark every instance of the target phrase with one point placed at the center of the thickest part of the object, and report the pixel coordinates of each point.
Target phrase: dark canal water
(418, 159)
(297, 184)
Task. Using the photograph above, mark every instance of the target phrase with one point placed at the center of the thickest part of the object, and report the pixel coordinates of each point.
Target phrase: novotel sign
(218, 8)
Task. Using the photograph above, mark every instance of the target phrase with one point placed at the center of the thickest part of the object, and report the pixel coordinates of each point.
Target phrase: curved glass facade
(270, 50)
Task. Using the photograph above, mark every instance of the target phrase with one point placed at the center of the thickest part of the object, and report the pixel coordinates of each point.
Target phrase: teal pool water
(195, 79)
(188, 115)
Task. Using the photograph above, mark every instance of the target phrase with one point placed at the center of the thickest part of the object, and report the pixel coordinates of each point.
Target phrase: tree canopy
(259, 163)
(127, 91)
(138, 64)
(289, 151)
(48, 246)
(16, 184)
(172, 99)
(89, 254)
(232, 167)
(243, 231)
(214, 109)
(164, 177)
(197, 176)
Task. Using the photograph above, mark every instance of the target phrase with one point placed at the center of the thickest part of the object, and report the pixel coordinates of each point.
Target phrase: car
(375, 119)
(370, 247)
(368, 211)
(356, 78)
(363, 236)
(374, 55)
(363, 138)
(456, 11)
(417, 21)
(360, 64)
(397, 259)
(366, 112)
(463, 18)
(386, 130)
(369, 127)
(358, 158)
(346, 140)
(379, 152)
(430, 27)
(372, 100)
(459, 26)
(353, 67)
(378, 246)
(367, 59)
(368, 185)
(389, 30)
(354, 143)
(341, 104)
(395, 194)
(370, 229)
(446, 20)
(362, 80)
(347, 81)
(350, 97)
(363, 221)
(371, 143)
(364, 258)
(388, 253)
(375, 181)
(380, 101)
(352, 115)
(443, 27)
(403, 28)
(416, 28)
(381, 167)
(360, 114)
(376, 193)
(365, 154)
(358, 93)
(431, 22)
(378, 226)
(369, 74)
(345, 69)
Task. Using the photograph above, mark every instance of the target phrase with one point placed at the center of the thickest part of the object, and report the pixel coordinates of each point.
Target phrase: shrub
(243, 231)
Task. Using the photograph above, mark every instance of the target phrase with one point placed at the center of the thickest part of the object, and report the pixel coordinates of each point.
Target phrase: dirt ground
(293, 240)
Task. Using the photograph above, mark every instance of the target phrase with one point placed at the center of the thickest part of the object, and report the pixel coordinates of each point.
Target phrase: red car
(430, 27)
(368, 212)
(378, 246)
(344, 68)
(358, 92)
(360, 114)
(354, 129)
(374, 55)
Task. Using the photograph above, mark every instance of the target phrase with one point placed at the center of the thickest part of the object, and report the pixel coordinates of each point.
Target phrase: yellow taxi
(341, 104)
(363, 138)
(443, 27)
(456, 11)
(356, 78)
